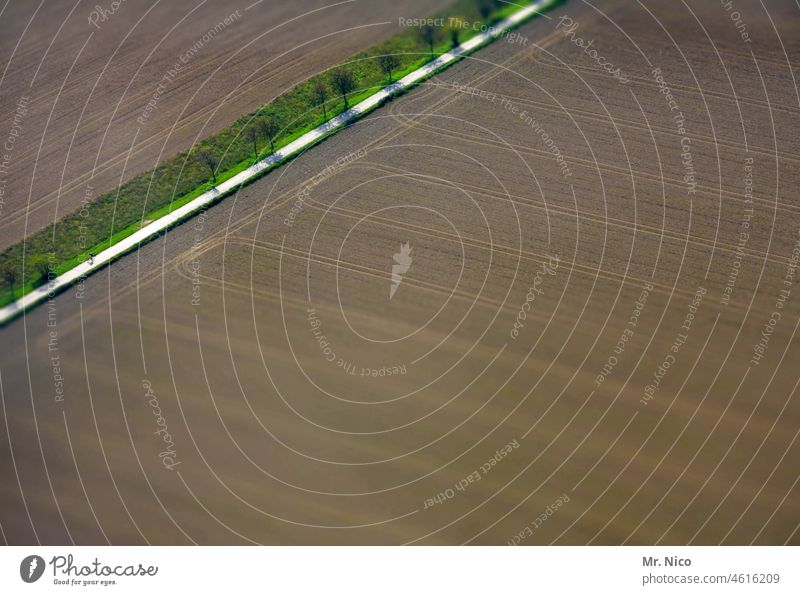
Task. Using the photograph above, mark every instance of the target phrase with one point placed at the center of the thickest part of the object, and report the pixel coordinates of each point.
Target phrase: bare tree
(207, 158)
(454, 37)
(389, 63)
(252, 135)
(319, 96)
(344, 81)
(486, 7)
(429, 34)
(41, 265)
(11, 278)
(270, 127)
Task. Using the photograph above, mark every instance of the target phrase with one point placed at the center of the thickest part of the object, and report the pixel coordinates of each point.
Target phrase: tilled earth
(596, 353)
(89, 74)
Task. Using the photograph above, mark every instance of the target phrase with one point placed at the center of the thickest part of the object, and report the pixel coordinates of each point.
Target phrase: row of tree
(430, 34)
(343, 81)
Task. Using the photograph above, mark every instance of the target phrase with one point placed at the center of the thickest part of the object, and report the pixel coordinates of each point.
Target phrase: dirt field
(580, 351)
(88, 84)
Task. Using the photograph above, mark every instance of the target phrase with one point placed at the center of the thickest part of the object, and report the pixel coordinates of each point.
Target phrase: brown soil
(277, 444)
(89, 84)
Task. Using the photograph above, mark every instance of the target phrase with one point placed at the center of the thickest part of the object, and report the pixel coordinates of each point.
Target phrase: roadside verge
(57, 284)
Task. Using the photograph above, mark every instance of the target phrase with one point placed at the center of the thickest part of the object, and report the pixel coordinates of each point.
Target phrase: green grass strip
(115, 215)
